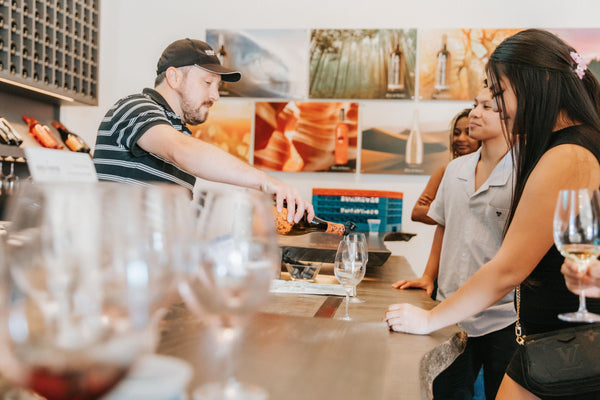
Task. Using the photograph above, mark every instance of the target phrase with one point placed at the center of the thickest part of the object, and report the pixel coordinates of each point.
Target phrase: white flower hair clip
(581, 66)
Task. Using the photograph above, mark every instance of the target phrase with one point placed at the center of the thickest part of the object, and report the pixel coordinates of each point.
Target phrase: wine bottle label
(281, 223)
(73, 144)
(336, 229)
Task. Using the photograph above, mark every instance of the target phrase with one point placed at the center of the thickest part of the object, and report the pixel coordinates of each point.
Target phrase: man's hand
(296, 205)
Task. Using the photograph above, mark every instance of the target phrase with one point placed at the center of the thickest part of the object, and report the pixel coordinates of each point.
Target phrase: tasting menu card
(49, 166)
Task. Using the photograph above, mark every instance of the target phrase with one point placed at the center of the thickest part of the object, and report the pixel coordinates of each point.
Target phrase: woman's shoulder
(571, 163)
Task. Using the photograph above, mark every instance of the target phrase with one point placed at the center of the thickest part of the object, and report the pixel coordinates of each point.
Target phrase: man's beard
(192, 115)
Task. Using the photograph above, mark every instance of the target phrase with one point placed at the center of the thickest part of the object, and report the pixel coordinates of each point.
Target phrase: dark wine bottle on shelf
(303, 226)
(73, 141)
(42, 133)
(14, 138)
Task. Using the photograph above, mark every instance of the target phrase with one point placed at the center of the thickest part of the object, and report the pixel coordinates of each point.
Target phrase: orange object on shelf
(42, 133)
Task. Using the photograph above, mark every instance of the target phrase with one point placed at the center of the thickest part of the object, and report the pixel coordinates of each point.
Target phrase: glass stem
(226, 340)
(347, 301)
(582, 304)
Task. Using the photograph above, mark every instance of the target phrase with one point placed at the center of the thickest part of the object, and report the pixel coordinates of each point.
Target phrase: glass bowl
(303, 270)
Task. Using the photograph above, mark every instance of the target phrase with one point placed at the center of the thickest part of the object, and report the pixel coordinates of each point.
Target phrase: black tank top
(544, 294)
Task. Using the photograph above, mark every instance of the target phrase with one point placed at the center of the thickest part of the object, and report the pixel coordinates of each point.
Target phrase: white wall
(134, 33)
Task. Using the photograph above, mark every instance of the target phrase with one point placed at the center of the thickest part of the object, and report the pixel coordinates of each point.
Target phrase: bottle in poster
(414, 146)
(395, 82)
(443, 67)
(341, 140)
(224, 60)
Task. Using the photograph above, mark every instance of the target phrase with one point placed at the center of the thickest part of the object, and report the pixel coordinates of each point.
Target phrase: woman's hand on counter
(408, 318)
(424, 282)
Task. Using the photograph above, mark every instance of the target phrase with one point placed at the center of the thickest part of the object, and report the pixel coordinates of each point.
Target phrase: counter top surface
(295, 348)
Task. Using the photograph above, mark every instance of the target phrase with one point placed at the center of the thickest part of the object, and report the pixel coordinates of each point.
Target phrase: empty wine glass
(577, 237)
(350, 265)
(237, 256)
(81, 286)
(361, 238)
(11, 180)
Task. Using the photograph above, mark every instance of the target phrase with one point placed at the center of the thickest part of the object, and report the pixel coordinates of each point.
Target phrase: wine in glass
(237, 256)
(350, 265)
(80, 286)
(577, 237)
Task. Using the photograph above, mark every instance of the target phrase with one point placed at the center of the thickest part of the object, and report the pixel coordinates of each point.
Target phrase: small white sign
(48, 165)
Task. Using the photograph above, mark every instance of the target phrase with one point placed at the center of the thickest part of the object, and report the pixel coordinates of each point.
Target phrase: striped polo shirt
(118, 157)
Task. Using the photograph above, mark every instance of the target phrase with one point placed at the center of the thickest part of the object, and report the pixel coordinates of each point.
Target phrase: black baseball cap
(185, 52)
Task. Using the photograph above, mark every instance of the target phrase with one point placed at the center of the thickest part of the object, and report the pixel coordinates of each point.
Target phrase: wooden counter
(295, 355)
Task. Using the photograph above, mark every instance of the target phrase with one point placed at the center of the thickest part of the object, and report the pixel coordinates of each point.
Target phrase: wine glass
(237, 256)
(81, 285)
(577, 237)
(11, 180)
(350, 265)
(361, 238)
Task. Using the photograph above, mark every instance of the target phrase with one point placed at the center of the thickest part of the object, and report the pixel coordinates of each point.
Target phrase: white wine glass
(361, 238)
(350, 265)
(236, 260)
(577, 237)
(81, 284)
(11, 180)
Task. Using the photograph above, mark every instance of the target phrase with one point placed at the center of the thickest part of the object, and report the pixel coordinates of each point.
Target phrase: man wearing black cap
(144, 136)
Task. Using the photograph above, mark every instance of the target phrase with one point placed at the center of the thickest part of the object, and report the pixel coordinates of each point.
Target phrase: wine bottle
(14, 138)
(341, 140)
(414, 144)
(4, 136)
(303, 226)
(395, 81)
(443, 64)
(73, 141)
(224, 60)
(42, 133)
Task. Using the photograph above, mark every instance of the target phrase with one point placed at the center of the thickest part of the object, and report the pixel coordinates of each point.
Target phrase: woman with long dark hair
(549, 104)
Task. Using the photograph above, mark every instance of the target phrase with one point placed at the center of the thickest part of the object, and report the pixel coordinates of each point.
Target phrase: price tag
(48, 165)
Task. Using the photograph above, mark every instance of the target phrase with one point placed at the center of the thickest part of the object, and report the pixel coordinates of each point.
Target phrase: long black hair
(541, 71)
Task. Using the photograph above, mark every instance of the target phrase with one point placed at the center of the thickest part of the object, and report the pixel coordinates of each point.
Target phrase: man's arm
(209, 162)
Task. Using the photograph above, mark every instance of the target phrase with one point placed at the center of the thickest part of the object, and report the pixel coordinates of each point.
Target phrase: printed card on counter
(48, 165)
(303, 287)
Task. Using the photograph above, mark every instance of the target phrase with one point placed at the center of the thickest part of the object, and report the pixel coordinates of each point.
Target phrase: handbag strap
(520, 338)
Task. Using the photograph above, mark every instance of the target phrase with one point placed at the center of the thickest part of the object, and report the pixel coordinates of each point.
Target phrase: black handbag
(564, 362)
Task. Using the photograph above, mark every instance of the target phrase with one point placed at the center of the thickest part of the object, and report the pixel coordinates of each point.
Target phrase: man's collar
(157, 97)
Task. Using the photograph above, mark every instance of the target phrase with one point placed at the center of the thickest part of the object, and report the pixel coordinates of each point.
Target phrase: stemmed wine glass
(237, 256)
(350, 265)
(11, 180)
(361, 238)
(577, 237)
(80, 288)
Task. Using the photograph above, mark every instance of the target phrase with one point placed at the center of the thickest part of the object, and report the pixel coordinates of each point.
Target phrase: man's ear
(173, 76)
